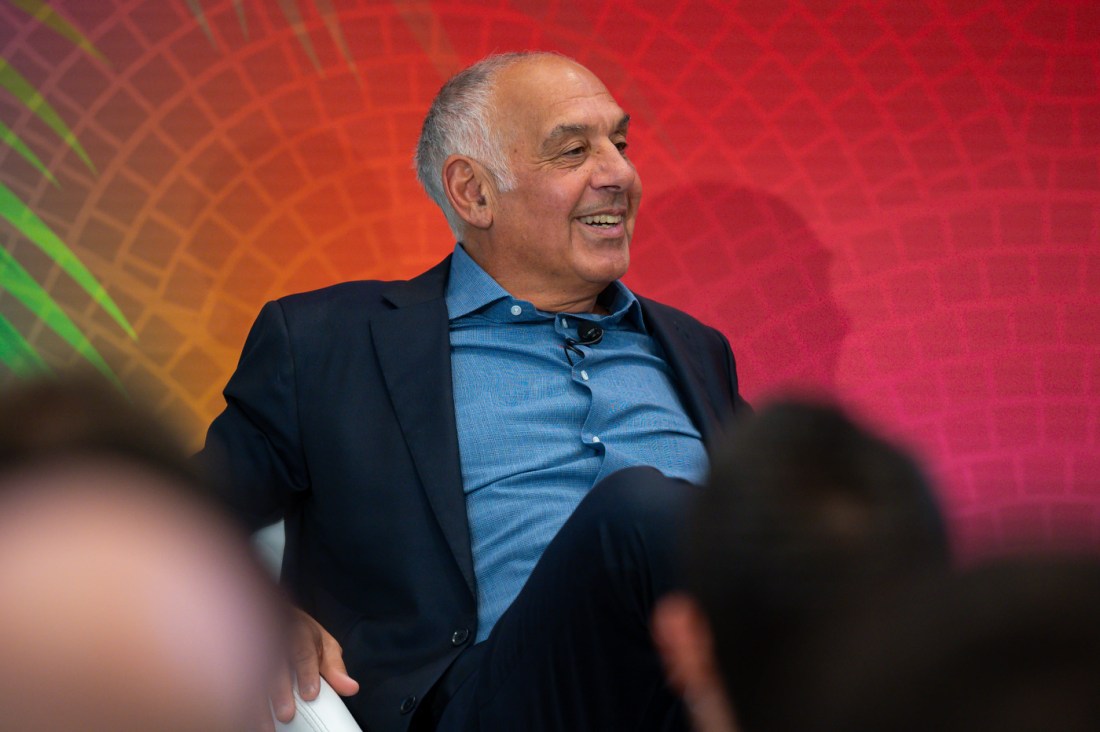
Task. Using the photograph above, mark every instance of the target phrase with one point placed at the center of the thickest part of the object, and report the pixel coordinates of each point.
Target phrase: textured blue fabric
(536, 433)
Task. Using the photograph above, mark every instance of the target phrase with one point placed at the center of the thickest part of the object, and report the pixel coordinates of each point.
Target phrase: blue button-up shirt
(536, 432)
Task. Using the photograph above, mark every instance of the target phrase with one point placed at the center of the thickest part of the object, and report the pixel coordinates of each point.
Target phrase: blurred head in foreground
(1012, 646)
(805, 511)
(127, 602)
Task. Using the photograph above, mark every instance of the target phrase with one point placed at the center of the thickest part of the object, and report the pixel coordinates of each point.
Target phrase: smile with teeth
(602, 220)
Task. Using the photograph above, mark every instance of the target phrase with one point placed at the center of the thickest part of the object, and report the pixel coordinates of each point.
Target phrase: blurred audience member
(49, 418)
(126, 601)
(804, 511)
(1013, 646)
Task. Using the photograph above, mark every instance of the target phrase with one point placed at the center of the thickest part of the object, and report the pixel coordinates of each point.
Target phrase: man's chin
(608, 270)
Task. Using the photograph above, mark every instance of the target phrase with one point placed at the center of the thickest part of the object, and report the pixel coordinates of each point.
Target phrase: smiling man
(481, 469)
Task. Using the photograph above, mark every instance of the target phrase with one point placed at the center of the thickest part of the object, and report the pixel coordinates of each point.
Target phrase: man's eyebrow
(570, 129)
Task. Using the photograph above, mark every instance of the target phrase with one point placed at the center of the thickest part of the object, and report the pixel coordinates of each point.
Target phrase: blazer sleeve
(253, 449)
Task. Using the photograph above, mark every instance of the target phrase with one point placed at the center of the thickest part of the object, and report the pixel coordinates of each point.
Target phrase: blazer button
(408, 705)
(460, 636)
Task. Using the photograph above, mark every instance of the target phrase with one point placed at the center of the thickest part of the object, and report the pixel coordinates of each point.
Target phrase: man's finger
(282, 698)
(307, 651)
(333, 668)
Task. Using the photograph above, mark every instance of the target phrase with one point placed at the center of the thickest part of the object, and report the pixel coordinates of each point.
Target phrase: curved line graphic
(332, 22)
(293, 15)
(31, 226)
(292, 11)
(19, 283)
(16, 353)
(9, 138)
(200, 17)
(47, 16)
(25, 92)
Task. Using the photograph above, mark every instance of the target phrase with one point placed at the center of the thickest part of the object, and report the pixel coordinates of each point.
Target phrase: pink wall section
(894, 202)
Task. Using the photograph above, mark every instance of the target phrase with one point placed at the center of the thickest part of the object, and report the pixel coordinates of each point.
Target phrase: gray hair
(458, 123)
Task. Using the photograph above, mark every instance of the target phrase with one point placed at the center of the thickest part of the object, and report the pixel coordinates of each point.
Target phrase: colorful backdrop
(897, 202)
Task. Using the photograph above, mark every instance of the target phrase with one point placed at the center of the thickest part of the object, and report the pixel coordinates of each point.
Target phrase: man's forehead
(548, 97)
(552, 83)
(618, 124)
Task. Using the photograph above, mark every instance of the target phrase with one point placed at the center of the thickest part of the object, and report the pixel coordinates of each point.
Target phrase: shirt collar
(470, 289)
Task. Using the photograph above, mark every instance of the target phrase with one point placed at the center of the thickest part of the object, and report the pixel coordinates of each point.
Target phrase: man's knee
(638, 497)
(634, 518)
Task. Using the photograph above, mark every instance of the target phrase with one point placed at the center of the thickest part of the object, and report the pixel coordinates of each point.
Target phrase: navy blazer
(340, 419)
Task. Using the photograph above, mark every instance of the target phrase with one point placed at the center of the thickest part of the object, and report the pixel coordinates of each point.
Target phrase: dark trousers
(574, 651)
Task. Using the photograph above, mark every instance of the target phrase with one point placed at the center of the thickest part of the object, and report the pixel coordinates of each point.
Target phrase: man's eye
(573, 152)
(622, 146)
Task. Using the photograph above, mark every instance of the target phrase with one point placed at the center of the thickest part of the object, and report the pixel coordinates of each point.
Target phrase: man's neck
(563, 304)
(584, 298)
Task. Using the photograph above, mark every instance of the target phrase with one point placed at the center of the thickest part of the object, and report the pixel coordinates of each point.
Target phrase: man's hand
(314, 653)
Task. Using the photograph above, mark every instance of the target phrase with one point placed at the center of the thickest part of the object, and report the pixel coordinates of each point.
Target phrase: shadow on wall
(745, 262)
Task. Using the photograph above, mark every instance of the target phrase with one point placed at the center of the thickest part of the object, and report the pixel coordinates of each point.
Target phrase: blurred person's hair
(804, 511)
(1012, 646)
(80, 414)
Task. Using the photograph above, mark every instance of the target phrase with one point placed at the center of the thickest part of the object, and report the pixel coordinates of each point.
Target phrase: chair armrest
(326, 713)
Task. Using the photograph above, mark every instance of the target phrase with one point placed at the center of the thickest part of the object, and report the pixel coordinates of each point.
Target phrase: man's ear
(467, 186)
(684, 641)
(682, 636)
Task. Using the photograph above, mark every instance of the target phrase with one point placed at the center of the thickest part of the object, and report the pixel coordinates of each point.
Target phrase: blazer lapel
(412, 342)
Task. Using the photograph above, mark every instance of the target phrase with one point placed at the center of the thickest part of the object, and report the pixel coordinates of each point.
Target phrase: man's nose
(613, 169)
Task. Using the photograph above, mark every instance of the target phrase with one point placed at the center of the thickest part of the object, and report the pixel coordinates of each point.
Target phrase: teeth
(605, 219)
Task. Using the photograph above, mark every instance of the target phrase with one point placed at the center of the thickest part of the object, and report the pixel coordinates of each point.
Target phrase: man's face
(562, 233)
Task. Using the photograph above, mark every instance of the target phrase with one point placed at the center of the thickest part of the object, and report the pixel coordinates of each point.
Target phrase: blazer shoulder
(355, 293)
(365, 297)
(312, 317)
(667, 315)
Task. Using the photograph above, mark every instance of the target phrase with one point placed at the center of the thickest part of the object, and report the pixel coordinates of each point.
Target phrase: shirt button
(459, 637)
(595, 439)
(516, 310)
(408, 704)
(584, 374)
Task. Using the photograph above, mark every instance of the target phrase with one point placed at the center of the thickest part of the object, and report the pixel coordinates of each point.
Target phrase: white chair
(326, 713)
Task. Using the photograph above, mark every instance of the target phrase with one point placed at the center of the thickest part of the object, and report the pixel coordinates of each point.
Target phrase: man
(804, 513)
(426, 440)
